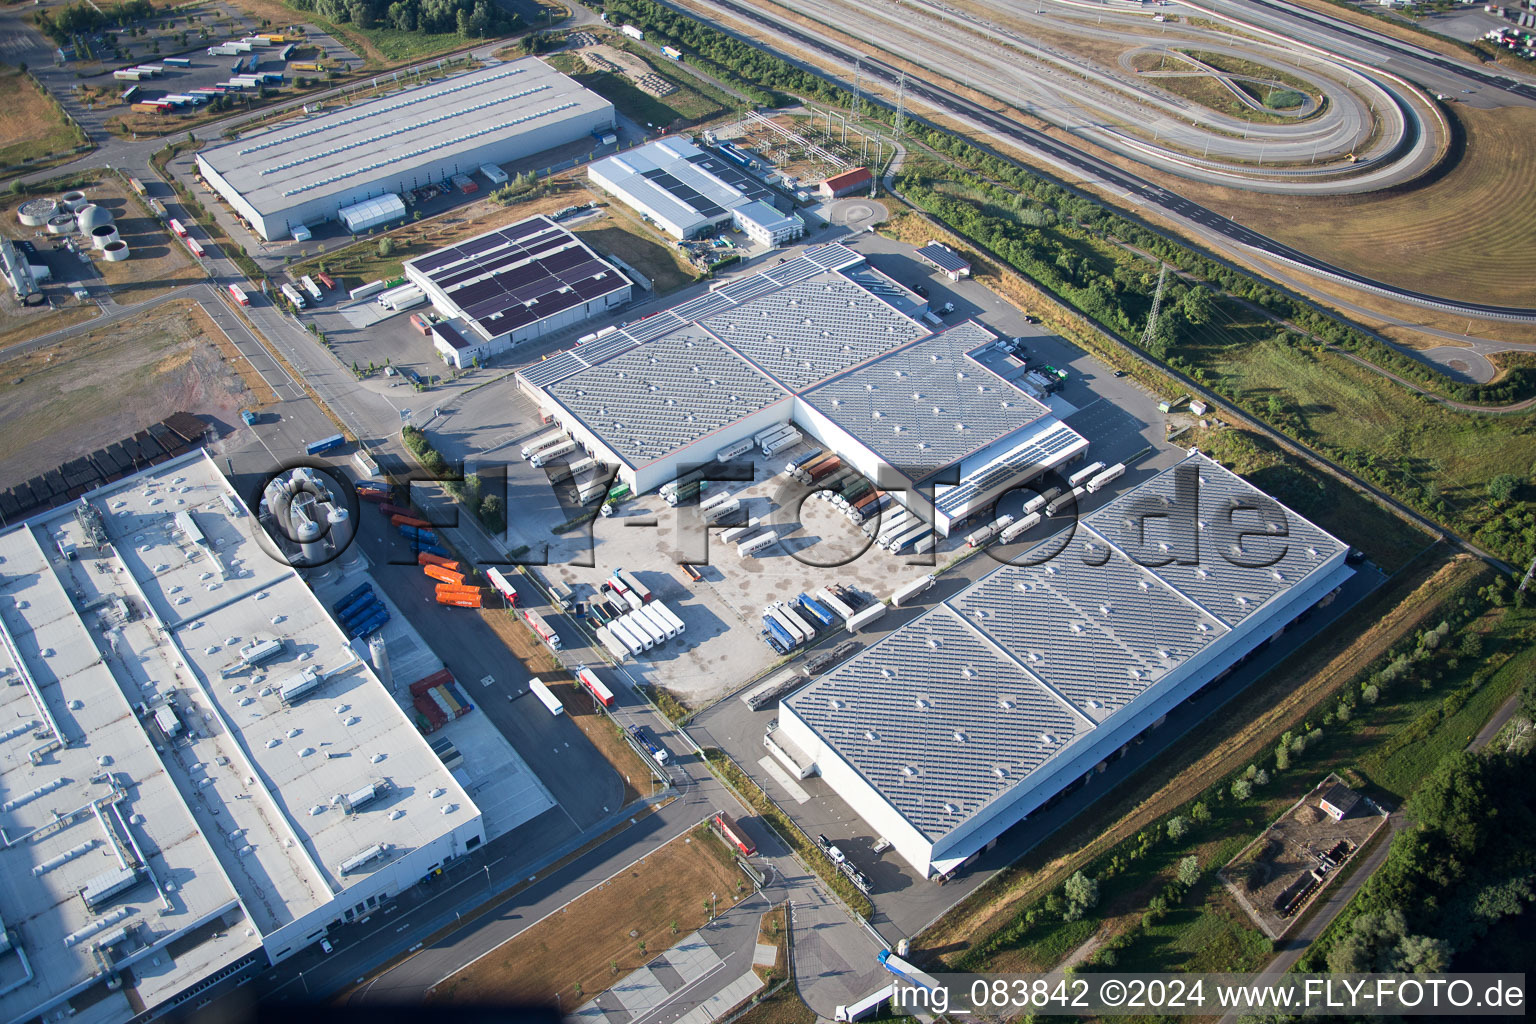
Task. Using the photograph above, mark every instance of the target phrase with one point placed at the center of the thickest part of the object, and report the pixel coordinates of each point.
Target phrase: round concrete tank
(34, 213)
(115, 251)
(90, 217)
(72, 201)
(61, 224)
(103, 235)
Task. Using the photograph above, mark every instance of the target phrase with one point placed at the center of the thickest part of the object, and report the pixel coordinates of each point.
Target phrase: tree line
(85, 18)
(470, 19)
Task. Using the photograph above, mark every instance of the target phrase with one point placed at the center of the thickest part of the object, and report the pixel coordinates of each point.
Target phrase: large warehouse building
(963, 722)
(689, 192)
(305, 172)
(200, 775)
(512, 285)
(830, 343)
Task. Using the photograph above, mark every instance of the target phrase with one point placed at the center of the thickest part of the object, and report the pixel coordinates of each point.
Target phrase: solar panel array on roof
(685, 194)
(928, 405)
(514, 276)
(959, 707)
(944, 258)
(808, 331)
(734, 176)
(651, 400)
(450, 335)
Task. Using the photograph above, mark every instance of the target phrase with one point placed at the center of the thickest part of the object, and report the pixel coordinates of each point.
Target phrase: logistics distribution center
(689, 192)
(512, 285)
(961, 723)
(199, 774)
(312, 170)
(824, 340)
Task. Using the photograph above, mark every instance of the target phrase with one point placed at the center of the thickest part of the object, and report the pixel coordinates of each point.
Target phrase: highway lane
(1204, 222)
(1413, 60)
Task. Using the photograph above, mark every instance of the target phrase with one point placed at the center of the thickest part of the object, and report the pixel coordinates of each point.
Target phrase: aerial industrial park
(759, 513)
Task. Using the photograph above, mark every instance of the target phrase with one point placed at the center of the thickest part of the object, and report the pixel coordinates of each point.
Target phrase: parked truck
(633, 585)
(310, 286)
(542, 458)
(543, 629)
(238, 294)
(907, 592)
(293, 296)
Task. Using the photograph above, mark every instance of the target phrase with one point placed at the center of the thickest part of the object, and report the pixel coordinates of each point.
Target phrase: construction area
(602, 57)
(1277, 876)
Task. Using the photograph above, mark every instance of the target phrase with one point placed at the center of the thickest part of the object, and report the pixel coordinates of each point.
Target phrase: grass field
(1466, 235)
(1387, 540)
(1447, 457)
(1401, 770)
(380, 47)
(688, 105)
(587, 945)
(32, 127)
(59, 401)
(1200, 87)
(18, 325)
(646, 252)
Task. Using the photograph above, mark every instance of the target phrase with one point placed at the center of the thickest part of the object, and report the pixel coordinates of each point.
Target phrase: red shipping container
(438, 678)
(410, 521)
(428, 558)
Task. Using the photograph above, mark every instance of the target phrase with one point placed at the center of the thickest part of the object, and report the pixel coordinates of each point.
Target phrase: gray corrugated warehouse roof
(652, 400)
(677, 182)
(928, 405)
(808, 331)
(959, 707)
(332, 153)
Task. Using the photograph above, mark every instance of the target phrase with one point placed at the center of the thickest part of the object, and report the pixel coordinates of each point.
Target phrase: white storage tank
(103, 235)
(61, 224)
(34, 213)
(73, 201)
(90, 217)
(115, 251)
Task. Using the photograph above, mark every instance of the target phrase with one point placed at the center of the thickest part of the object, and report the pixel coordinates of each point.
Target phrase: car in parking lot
(326, 947)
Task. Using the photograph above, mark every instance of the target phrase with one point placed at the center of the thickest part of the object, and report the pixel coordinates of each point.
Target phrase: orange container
(428, 558)
(452, 588)
(437, 572)
(409, 521)
(460, 600)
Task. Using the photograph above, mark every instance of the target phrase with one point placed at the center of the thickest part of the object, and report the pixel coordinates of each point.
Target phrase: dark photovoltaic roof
(517, 275)
(943, 257)
(450, 335)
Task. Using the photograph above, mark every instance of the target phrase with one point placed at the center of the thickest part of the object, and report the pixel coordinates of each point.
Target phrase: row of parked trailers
(788, 625)
(173, 436)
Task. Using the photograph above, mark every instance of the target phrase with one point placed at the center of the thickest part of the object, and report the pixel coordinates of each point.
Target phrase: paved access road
(1074, 164)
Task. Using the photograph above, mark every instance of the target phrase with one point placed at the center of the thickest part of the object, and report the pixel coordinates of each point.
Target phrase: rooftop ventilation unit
(299, 685)
(359, 860)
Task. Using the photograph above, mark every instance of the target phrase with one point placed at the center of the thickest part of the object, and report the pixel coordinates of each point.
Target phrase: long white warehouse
(200, 774)
(960, 724)
(304, 172)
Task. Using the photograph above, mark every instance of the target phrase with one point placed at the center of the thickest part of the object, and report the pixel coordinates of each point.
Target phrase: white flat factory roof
(928, 405)
(75, 812)
(984, 693)
(240, 804)
(678, 182)
(346, 147)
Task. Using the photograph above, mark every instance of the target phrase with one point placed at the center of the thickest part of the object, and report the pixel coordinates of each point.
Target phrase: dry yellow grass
(573, 952)
(30, 125)
(1466, 235)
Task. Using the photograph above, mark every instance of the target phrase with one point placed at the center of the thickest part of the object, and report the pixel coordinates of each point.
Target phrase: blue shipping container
(326, 444)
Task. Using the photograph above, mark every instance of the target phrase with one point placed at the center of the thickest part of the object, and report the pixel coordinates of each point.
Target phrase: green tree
(386, 248)
(1189, 871)
(493, 514)
(1242, 789)
(1503, 486)
(1178, 827)
(1082, 895)
(1198, 305)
